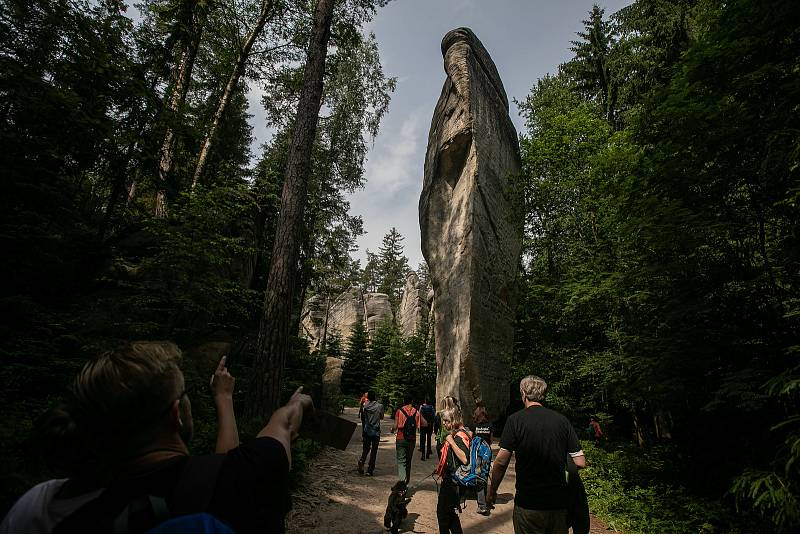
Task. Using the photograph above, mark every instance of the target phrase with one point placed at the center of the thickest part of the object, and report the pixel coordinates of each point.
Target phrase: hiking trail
(333, 498)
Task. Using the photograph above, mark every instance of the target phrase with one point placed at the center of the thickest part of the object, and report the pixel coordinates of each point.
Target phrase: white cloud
(393, 183)
(393, 163)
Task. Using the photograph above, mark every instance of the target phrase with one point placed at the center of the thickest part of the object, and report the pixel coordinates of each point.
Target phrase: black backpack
(410, 426)
(118, 511)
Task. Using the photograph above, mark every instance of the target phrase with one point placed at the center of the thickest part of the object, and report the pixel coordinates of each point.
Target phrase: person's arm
(498, 472)
(574, 447)
(458, 451)
(394, 425)
(222, 389)
(284, 425)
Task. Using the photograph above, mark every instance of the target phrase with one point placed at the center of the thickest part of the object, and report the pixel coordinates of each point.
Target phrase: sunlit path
(335, 499)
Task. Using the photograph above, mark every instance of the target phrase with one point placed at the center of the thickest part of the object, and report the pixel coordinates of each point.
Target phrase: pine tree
(358, 372)
(369, 275)
(591, 66)
(393, 266)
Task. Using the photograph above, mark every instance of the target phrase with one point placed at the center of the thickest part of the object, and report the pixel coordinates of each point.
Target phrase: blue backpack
(202, 523)
(480, 462)
(428, 413)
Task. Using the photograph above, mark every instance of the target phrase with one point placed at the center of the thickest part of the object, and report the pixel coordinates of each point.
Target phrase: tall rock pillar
(471, 227)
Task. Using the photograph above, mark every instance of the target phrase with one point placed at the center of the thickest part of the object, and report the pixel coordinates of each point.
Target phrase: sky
(526, 39)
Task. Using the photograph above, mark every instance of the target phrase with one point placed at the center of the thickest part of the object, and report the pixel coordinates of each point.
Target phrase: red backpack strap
(465, 436)
(440, 467)
(405, 416)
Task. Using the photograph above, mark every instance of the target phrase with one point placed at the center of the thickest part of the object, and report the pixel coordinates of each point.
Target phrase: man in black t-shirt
(541, 439)
(132, 404)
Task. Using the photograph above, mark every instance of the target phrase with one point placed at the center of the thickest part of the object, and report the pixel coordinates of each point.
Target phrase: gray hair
(533, 388)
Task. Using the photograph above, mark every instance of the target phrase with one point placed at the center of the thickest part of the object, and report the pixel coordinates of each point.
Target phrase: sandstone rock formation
(322, 317)
(377, 310)
(471, 230)
(346, 311)
(312, 321)
(332, 385)
(412, 317)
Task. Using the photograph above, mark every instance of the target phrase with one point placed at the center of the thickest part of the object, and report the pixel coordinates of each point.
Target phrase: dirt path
(335, 499)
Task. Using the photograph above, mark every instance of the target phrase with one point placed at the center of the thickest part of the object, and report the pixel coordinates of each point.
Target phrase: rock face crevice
(471, 227)
(412, 316)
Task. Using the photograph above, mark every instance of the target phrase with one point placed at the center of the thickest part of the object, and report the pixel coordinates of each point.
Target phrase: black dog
(396, 508)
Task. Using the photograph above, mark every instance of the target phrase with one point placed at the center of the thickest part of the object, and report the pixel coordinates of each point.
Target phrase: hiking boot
(369, 473)
(360, 467)
(483, 511)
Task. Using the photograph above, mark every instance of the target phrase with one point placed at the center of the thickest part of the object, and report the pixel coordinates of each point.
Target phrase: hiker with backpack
(453, 454)
(371, 415)
(541, 439)
(406, 422)
(482, 428)
(595, 432)
(428, 413)
(439, 430)
(132, 406)
(65, 450)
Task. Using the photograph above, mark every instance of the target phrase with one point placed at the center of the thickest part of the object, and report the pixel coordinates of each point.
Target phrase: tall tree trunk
(177, 97)
(274, 330)
(238, 69)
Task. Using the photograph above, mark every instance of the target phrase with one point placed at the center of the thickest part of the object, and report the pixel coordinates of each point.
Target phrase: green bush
(625, 491)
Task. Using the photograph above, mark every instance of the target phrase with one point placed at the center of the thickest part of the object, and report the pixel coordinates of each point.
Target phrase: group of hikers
(549, 496)
(122, 440)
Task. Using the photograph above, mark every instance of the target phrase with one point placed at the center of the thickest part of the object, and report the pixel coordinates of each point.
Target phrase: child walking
(453, 453)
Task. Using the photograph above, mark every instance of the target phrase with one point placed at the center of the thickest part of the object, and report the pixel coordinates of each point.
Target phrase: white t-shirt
(38, 511)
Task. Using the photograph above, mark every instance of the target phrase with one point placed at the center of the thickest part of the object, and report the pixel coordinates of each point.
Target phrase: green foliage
(85, 99)
(198, 269)
(392, 266)
(304, 368)
(358, 369)
(660, 274)
(623, 492)
(407, 366)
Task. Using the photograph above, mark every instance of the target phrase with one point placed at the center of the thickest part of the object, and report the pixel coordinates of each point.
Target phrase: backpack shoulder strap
(440, 467)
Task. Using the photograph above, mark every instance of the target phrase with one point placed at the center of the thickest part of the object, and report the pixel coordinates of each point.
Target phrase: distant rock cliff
(322, 317)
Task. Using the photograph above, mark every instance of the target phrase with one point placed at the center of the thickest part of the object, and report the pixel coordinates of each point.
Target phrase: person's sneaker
(360, 467)
(483, 511)
(369, 473)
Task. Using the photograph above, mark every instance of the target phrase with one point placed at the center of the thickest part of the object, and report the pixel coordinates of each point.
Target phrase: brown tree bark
(274, 330)
(238, 69)
(182, 77)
